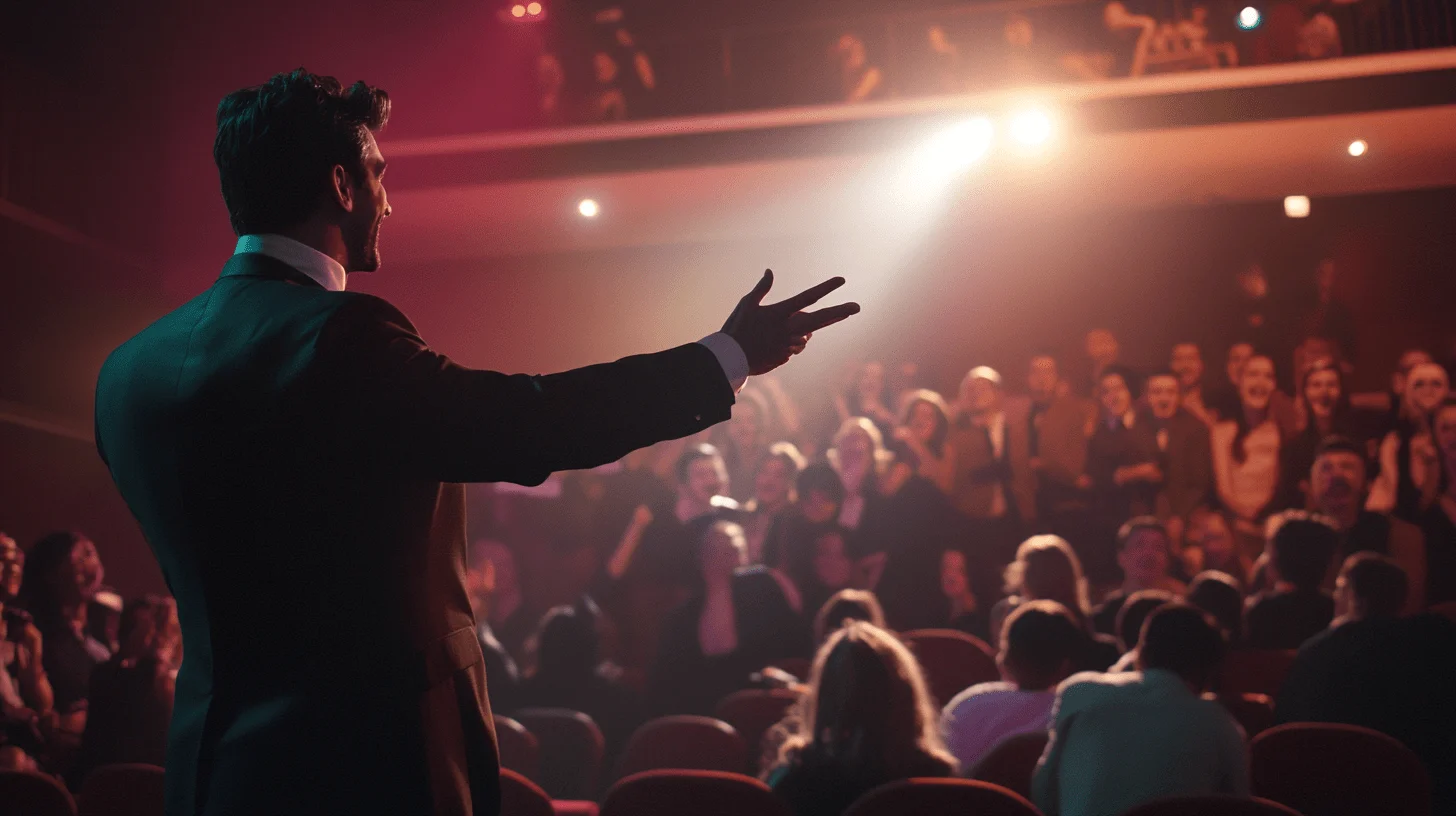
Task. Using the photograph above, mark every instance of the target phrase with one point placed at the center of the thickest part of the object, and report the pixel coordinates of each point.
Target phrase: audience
(1326, 413)
(1246, 448)
(1337, 491)
(1038, 647)
(846, 605)
(62, 575)
(130, 701)
(859, 457)
(1130, 619)
(866, 720)
(1374, 669)
(1046, 569)
(994, 487)
(922, 449)
(1056, 437)
(1408, 480)
(736, 622)
(1123, 468)
(1184, 457)
(773, 494)
(1219, 594)
(1142, 554)
(1187, 362)
(1439, 522)
(1295, 609)
(570, 673)
(744, 442)
(1147, 734)
(26, 698)
(1209, 545)
(967, 614)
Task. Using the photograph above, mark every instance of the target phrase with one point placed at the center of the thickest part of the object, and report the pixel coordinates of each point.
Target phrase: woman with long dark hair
(921, 445)
(1409, 464)
(1246, 451)
(1047, 569)
(63, 573)
(868, 719)
(1326, 413)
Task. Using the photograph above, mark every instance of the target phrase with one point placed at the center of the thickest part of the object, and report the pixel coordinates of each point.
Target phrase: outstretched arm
(452, 423)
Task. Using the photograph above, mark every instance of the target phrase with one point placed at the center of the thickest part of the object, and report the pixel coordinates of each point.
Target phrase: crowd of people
(1111, 538)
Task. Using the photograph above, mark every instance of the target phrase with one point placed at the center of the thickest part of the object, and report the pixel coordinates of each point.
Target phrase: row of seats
(1314, 769)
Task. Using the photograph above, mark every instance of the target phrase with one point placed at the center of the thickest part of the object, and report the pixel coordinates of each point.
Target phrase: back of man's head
(1134, 613)
(1185, 640)
(1301, 549)
(1039, 642)
(1372, 585)
(277, 144)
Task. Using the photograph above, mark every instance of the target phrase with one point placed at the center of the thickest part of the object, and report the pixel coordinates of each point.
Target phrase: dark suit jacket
(973, 490)
(1062, 443)
(292, 455)
(1187, 465)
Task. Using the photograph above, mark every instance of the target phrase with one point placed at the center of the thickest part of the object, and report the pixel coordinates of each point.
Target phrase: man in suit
(993, 486)
(1058, 424)
(1185, 457)
(293, 453)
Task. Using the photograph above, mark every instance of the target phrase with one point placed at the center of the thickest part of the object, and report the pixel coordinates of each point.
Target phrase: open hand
(770, 335)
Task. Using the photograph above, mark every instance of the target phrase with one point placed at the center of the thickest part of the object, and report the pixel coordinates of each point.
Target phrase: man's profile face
(370, 206)
(1187, 363)
(1163, 396)
(1337, 478)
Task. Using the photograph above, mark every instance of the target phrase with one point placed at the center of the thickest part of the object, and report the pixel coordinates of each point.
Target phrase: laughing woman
(1246, 450)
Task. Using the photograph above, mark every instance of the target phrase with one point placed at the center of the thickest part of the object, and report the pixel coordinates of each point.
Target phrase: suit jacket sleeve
(456, 424)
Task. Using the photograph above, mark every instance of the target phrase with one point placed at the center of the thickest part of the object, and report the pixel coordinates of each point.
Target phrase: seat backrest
(522, 797)
(1012, 762)
(123, 790)
(1446, 609)
(1326, 769)
(1254, 712)
(1255, 671)
(691, 793)
(33, 794)
(950, 796)
(752, 712)
(1212, 806)
(571, 748)
(519, 749)
(683, 743)
(953, 661)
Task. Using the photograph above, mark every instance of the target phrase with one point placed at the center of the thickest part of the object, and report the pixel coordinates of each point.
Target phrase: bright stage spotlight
(1296, 206)
(1358, 148)
(588, 208)
(957, 147)
(1249, 18)
(533, 9)
(1031, 127)
(518, 11)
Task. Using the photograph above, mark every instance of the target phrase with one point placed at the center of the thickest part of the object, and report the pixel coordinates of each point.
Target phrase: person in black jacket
(279, 437)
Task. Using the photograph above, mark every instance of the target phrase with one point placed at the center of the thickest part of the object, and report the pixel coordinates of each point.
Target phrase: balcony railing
(623, 74)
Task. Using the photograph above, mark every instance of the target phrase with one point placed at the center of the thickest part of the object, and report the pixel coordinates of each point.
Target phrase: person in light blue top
(1119, 740)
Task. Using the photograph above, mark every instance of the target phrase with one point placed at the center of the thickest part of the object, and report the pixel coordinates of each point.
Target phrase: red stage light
(518, 11)
(533, 9)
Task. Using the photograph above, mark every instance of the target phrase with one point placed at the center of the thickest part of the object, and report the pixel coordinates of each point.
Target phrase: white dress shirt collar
(328, 272)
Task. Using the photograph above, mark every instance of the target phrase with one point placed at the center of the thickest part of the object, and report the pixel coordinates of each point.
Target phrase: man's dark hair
(847, 605)
(1161, 372)
(1129, 377)
(1138, 524)
(1182, 639)
(1135, 612)
(1334, 443)
(1301, 549)
(278, 142)
(1038, 639)
(1218, 594)
(1376, 582)
(820, 477)
(691, 455)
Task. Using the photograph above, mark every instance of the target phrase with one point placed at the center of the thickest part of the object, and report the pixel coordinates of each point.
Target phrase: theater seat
(910, 797)
(683, 743)
(1012, 762)
(571, 748)
(123, 790)
(691, 793)
(1255, 671)
(1325, 769)
(522, 797)
(953, 661)
(33, 794)
(752, 713)
(1212, 806)
(519, 749)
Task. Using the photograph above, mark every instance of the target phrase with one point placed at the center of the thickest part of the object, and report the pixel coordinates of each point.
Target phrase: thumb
(765, 283)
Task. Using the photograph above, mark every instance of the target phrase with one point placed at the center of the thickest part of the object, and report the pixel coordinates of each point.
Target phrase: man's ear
(341, 188)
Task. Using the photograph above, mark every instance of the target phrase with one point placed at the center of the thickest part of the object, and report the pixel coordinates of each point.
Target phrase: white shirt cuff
(730, 356)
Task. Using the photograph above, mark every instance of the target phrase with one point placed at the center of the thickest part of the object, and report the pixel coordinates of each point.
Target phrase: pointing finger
(765, 283)
(810, 296)
(807, 322)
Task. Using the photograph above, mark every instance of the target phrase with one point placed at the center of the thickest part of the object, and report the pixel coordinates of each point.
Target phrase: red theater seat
(571, 748)
(32, 794)
(752, 713)
(953, 661)
(692, 793)
(1255, 671)
(519, 749)
(1012, 762)
(1212, 806)
(123, 790)
(522, 797)
(683, 743)
(937, 796)
(1324, 769)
